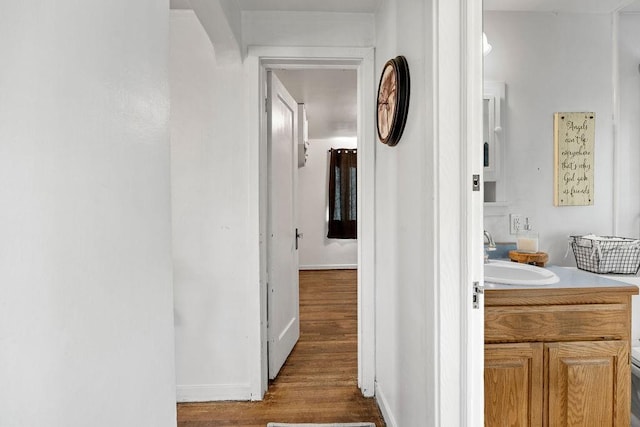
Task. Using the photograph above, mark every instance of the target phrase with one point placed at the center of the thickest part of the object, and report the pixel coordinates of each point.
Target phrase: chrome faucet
(490, 247)
(492, 244)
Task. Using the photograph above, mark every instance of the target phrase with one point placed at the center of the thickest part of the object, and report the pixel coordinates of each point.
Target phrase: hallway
(318, 383)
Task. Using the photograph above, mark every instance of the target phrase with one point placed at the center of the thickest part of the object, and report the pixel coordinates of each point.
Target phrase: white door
(282, 254)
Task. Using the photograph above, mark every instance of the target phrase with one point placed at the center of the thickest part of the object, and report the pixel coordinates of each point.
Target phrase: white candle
(527, 244)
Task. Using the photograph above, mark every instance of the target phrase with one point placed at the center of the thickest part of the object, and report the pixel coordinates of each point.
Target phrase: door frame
(472, 82)
(259, 59)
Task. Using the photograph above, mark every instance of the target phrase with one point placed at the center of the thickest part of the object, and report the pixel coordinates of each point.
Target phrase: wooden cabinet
(513, 384)
(588, 383)
(557, 357)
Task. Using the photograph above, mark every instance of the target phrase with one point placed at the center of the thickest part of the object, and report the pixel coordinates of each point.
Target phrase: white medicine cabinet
(493, 143)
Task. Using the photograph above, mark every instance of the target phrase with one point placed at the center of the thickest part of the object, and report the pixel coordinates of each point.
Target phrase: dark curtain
(343, 212)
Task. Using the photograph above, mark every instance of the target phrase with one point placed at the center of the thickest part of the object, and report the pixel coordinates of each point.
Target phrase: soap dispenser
(527, 239)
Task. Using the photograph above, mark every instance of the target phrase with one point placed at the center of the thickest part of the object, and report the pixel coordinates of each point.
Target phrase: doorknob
(298, 236)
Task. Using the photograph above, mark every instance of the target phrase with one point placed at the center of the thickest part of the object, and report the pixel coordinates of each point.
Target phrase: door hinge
(266, 105)
(477, 290)
(267, 313)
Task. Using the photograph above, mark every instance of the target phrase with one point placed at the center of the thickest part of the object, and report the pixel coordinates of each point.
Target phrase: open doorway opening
(359, 61)
(328, 107)
(324, 229)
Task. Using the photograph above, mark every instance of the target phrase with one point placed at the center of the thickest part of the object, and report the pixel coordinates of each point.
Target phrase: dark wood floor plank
(318, 382)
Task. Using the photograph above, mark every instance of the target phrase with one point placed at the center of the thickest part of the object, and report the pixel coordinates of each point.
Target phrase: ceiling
(330, 95)
(344, 6)
(355, 6)
(582, 6)
(370, 6)
(330, 98)
(179, 4)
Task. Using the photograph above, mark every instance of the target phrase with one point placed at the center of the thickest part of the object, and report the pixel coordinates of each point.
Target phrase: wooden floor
(318, 383)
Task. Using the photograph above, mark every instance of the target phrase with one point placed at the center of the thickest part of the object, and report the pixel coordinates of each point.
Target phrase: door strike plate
(477, 290)
(476, 182)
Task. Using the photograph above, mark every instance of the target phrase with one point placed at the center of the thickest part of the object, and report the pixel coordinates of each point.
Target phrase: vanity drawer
(556, 322)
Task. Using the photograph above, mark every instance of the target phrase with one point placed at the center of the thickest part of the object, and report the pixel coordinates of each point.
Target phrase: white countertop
(571, 277)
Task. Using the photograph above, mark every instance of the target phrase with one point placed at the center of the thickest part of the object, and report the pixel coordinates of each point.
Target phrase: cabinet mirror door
(493, 142)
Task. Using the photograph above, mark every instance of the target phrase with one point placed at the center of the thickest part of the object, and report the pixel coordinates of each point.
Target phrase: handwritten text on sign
(574, 135)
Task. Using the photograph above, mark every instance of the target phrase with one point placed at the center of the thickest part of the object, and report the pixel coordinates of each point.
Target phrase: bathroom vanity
(558, 355)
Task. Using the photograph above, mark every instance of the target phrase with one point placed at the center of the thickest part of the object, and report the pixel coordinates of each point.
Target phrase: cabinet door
(588, 383)
(513, 385)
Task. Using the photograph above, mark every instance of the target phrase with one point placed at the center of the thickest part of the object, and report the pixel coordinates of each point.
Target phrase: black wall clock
(393, 100)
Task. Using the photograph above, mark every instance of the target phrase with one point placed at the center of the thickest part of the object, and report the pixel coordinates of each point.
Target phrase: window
(343, 212)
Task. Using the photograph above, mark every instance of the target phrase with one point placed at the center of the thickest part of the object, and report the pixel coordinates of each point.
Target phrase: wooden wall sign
(573, 143)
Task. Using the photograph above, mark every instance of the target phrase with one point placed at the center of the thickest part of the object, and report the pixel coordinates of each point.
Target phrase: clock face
(386, 101)
(393, 100)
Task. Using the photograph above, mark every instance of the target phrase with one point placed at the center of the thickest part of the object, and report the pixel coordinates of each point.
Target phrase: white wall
(424, 219)
(628, 149)
(405, 328)
(86, 325)
(316, 251)
(551, 63)
(209, 188)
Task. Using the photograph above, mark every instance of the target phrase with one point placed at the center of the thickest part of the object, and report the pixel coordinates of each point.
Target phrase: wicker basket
(606, 254)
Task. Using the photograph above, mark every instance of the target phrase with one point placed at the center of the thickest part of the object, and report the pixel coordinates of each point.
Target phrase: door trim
(472, 405)
(259, 59)
(457, 105)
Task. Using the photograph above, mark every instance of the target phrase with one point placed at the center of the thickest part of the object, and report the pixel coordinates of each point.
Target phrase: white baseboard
(389, 419)
(329, 267)
(212, 392)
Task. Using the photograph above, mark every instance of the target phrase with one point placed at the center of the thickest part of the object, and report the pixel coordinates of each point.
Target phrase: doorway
(258, 62)
(313, 236)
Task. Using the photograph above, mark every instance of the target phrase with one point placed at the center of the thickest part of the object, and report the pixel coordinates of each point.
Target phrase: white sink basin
(513, 273)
